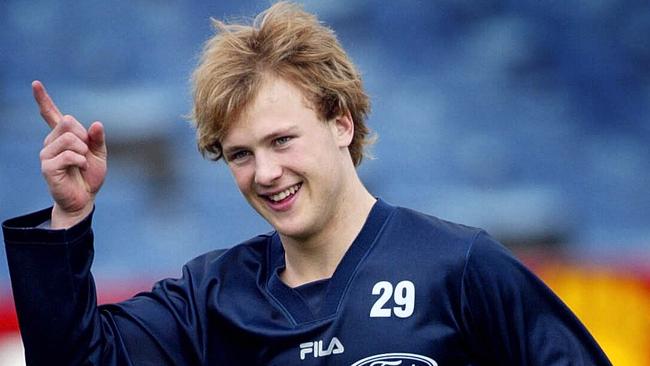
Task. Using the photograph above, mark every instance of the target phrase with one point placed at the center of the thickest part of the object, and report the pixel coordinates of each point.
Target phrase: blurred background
(528, 118)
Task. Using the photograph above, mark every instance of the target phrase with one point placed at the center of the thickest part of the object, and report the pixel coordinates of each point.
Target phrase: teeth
(284, 194)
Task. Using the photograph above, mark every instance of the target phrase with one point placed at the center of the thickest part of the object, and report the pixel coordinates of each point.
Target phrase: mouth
(285, 195)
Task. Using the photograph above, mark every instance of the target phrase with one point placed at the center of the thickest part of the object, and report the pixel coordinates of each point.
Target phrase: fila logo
(316, 348)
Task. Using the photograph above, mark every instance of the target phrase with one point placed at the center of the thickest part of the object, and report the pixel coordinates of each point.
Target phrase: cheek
(243, 178)
(316, 152)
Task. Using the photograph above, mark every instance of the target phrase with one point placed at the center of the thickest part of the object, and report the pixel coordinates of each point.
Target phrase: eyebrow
(272, 136)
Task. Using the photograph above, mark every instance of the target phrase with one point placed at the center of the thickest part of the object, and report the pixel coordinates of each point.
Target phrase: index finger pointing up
(49, 111)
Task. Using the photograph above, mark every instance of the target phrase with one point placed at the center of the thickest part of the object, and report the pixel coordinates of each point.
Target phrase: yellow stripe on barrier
(614, 305)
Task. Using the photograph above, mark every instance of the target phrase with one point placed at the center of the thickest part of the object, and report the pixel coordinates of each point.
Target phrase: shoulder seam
(468, 254)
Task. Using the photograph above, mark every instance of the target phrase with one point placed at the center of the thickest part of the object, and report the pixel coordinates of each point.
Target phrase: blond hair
(283, 41)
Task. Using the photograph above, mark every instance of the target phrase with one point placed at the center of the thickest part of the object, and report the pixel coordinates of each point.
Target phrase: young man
(345, 278)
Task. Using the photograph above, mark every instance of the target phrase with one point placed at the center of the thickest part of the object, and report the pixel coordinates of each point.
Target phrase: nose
(267, 169)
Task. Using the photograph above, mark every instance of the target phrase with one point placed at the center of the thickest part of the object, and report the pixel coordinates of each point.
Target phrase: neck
(317, 257)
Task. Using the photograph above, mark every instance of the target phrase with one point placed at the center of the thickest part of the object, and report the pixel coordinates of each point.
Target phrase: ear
(343, 129)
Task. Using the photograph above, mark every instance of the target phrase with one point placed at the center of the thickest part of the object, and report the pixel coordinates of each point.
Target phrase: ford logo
(396, 359)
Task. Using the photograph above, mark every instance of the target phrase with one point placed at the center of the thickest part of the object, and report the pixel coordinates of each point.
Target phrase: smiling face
(292, 167)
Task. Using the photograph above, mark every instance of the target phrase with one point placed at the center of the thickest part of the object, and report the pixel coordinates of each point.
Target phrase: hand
(73, 162)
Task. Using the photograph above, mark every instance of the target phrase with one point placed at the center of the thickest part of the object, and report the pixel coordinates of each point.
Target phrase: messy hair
(283, 41)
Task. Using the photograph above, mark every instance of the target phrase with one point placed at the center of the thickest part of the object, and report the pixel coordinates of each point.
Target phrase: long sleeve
(512, 318)
(58, 315)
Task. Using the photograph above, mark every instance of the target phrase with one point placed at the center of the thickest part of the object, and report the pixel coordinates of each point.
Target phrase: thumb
(97, 139)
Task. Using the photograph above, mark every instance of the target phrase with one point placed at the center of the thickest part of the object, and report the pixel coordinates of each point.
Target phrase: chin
(291, 230)
(295, 230)
(287, 224)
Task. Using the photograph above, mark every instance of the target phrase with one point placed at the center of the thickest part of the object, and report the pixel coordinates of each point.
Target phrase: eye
(238, 156)
(282, 140)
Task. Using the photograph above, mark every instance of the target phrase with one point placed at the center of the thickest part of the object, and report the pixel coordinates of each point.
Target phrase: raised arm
(73, 161)
(53, 287)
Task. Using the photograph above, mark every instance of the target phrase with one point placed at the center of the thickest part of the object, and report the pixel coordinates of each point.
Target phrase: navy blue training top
(411, 290)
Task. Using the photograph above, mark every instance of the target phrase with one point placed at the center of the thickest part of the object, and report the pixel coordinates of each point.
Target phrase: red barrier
(8, 320)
